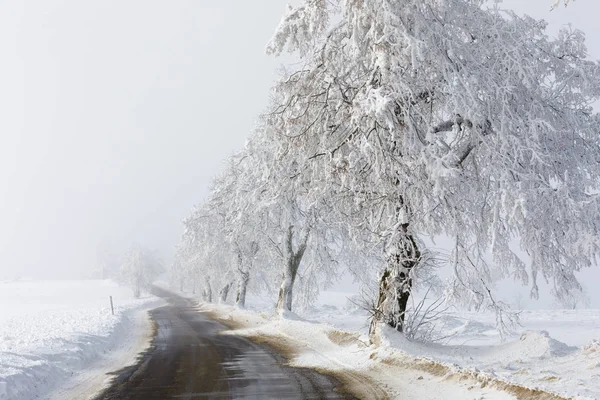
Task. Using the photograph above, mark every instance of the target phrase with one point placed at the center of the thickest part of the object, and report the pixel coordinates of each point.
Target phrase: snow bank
(557, 351)
(534, 344)
(52, 331)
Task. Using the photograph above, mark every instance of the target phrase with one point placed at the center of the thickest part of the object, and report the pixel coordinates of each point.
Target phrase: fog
(116, 114)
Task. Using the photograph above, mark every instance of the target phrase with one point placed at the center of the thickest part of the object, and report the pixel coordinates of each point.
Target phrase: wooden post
(112, 309)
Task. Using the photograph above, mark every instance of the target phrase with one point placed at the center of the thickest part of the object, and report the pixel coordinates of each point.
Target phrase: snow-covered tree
(140, 267)
(184, 271)
(291, 224)
(177, 274)
(446, 118)
(575, 299)
(201, 251)
(229, 206)
(259, 216)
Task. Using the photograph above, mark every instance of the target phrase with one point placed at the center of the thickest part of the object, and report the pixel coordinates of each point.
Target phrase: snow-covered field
(553, 351)
(53, 333)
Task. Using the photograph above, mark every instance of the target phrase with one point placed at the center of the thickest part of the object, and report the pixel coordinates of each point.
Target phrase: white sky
(115, 114)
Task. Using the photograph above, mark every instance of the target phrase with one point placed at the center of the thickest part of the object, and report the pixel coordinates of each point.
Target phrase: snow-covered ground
(553, 351)
(56, 335)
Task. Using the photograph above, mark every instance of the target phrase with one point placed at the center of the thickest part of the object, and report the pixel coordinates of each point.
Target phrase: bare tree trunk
(395, 284)
(244, 273)
(224, 292)
(286, 290)
(292, 263)
(207, 292)
(240, 299)
(137, 290)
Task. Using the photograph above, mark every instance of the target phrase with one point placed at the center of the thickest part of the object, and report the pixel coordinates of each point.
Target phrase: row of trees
(137, 268)
(409, 118)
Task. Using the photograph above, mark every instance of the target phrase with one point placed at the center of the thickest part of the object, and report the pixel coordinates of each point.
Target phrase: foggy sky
(115, 114)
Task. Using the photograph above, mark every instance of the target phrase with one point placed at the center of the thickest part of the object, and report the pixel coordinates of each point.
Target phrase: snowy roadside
(556, 351)
(369, 371)
(131, 338)
(58, 339)
(534, 359)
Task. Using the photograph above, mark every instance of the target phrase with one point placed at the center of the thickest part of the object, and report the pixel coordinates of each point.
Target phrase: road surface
(189, 360)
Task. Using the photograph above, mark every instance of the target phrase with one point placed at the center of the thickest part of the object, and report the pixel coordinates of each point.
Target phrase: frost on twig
(421, 319)
(558, 2)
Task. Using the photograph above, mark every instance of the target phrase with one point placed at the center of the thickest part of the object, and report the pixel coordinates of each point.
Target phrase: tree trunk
(240, 299)
(207, 292)
(293, 258)
(244, 273)
(395, 284)
(284, 302)
(224, 292)
(137, 291)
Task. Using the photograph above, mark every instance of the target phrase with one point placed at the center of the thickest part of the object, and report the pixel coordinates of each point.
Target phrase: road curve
(189, 360)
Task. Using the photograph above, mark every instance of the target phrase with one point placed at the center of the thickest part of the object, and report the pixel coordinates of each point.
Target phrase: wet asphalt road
(188, 359)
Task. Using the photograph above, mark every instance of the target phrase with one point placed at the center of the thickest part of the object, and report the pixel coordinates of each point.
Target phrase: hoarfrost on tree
(427, 117)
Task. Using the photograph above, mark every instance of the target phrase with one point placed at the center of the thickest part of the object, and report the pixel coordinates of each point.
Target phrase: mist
(116, 115)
